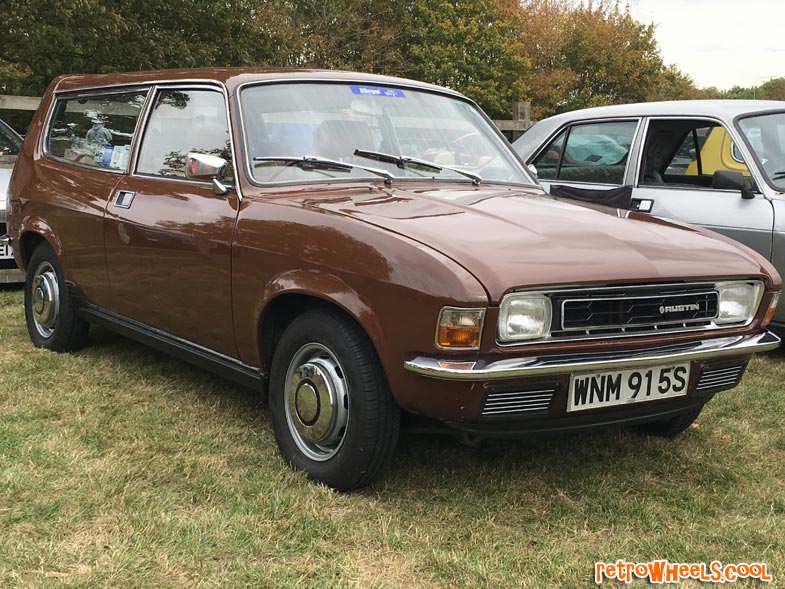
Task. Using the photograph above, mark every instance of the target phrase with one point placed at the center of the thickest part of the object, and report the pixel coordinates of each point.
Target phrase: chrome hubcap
(45, 304)
(317, 402)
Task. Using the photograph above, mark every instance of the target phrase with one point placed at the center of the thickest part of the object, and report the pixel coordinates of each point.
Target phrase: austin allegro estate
(365, 248)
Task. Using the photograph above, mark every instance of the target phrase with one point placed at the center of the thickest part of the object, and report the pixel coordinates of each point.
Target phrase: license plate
(6, 252)
(592, 390)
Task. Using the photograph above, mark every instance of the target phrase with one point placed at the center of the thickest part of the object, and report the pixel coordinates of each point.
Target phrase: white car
(10, 144)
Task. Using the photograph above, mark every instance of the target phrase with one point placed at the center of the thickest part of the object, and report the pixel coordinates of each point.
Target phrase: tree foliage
(675, 85)
(472, 46)
(43, 39)
(362, 35)
(587, 55)
(558, 54)
(773, 89)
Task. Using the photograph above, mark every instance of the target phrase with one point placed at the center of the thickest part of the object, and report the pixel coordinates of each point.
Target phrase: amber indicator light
(459, 328)
(772, 307)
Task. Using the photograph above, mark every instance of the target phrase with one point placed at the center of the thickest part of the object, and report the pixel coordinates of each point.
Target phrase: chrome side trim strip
(205, 358)
(710, 349)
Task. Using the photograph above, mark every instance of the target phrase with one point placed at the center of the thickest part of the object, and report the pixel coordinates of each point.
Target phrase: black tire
(50, 313)
(327, 381)
(670, 428)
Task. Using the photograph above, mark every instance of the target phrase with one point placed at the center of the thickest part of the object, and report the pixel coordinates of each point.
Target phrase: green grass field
(123, 468)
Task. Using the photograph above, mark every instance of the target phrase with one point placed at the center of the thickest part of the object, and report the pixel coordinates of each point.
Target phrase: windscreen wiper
(403, 161)
(310, 162)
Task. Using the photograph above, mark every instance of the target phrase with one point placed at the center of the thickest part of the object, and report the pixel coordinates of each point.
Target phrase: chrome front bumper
(559, 364)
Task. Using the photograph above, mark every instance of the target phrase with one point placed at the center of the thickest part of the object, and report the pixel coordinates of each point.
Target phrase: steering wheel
(459, 148)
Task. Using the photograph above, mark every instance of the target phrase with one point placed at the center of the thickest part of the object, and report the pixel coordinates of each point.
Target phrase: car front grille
(632, 310)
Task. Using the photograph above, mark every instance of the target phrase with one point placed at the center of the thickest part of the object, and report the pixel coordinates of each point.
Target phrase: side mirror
(732, 180)
(208, 168)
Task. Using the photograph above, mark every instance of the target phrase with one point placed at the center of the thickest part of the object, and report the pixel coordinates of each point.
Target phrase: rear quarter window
(95, 130)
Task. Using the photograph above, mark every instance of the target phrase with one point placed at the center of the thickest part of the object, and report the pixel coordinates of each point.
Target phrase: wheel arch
(31, 235)
(295, 293)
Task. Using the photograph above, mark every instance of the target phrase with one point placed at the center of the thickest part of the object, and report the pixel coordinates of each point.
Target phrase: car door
(168, 238)
(678, 179)
(589, 161)
(79, 173)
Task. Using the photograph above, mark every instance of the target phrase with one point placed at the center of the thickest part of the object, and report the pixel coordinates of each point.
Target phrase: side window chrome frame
(713, 121)
(152, 97)
(567, 128)
(58, 97)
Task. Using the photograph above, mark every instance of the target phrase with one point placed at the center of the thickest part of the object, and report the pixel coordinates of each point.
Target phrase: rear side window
(595, 153)
(183, 121)
(95, 130)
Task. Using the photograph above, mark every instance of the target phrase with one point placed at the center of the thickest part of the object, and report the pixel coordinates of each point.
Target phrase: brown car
(365, 247)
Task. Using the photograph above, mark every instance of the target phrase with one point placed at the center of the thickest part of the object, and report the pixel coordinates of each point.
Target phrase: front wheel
(332, 411)
(52, 320)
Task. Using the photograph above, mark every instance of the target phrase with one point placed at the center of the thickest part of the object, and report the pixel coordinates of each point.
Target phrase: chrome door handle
(642, 205)
(124, 199)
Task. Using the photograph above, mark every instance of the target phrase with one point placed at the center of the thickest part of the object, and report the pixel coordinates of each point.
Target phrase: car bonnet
(510, 238)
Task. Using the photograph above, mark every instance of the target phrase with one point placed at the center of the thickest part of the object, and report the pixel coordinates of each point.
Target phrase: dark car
(363, 247)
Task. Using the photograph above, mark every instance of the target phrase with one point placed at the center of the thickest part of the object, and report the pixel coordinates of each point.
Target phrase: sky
(720, 43)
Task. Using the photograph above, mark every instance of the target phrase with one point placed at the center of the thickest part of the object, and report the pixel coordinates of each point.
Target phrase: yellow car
(717, 153)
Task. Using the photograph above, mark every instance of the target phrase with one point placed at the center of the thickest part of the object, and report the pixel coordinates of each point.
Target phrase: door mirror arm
(220, 187)
(733, 180)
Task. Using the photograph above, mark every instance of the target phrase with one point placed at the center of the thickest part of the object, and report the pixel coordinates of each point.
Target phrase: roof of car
(231, 77)
(725, 110)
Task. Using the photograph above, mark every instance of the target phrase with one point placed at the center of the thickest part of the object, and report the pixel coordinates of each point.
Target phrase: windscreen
(334, 121)
(765, 134)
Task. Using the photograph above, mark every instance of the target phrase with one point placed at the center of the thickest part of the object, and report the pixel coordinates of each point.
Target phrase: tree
(587, 54)
(773, 89)
(559, 54)
(362, 35)
(42, 39)
(544, 26)
(675, 85)
(472, 46)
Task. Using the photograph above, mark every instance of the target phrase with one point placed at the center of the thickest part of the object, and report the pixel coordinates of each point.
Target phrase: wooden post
(520, 122)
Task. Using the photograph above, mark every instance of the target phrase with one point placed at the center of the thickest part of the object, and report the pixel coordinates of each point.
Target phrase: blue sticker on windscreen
(376, 91)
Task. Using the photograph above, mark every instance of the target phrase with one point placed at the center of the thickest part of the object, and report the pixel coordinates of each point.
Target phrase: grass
(120, 467)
